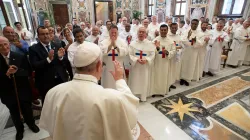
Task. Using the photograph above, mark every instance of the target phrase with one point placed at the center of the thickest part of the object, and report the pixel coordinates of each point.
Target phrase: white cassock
(247, 57)
(104, 35)
(208, 53)
(123, 35)
(140, 75)
(203, 50)
(88, 30)
(175, 62)
(181, 31)
(216, 50)
(214, 25)
(29, 36)
(82, 109)
(71, 53)
(107, 79)
(190, 60)
(135, 28)
(161, 67)
(239, 47)
(229, 28)
(151, 30)
(121, 28)
(236, 26)
(92, 38)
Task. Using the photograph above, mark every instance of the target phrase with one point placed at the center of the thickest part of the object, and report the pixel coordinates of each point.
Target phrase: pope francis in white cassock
(219, 40)
(190, 60)
(141, 53)
(165, 52)
(239, 45)
(113, 48)
(83, 110)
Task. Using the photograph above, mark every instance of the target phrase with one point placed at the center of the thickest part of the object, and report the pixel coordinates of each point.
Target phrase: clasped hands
(60, 52)
(112, 44)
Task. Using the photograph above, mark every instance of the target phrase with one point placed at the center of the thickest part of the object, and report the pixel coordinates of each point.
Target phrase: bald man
(142, 54)
(16, 45)
(94, 37)
(16, 66)
(239, 45)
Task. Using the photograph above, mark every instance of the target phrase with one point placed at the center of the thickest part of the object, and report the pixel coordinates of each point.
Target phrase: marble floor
(215, 108)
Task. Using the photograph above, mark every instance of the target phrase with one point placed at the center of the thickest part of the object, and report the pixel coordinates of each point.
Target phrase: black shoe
(34, 128)
(169, 89)
(203, 74)
(210, 73)
(19, 135)
(182, 82)
(173, 87)
(153, 96)
(186, 83)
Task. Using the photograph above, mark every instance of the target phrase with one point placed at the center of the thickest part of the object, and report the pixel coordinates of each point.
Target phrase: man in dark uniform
(14, 80)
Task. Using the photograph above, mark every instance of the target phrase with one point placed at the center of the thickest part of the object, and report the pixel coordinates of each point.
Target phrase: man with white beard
(220, 39)
(205, 38)
(113, 49)
(175, 62)
(239, 46)
(141, 53)
(190, 60)
(164, 54)
(153, 28)
(94, 37)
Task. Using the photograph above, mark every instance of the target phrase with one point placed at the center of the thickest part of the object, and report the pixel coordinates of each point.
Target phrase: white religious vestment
(151, 30)
(175, 62)
(29, 36)
(239, 47)
(190, 60)
(88, 30)
(123, 35)
(107, 80)
(140, 74)
(71, 53)
(227, 29)
(214, 25)
(181, 31)
(162, 66)
(247, 57)
(203, 50)
(135, 28)
(92, 38)
(121, 28)
(216, 50)
(83, 110)
(236, 26)
(104, 35)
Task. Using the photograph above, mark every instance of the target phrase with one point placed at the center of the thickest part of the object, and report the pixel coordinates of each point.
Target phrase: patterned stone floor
(216, 110)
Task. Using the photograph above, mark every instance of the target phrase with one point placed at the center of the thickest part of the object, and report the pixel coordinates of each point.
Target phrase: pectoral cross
(162, 52)
(141, 54)
(113, 54)
(247, 36)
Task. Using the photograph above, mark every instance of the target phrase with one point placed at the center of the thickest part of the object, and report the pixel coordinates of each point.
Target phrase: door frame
(102, 1)
(60, 2)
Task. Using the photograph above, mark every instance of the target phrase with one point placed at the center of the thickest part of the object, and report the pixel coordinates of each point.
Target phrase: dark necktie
(48, 49)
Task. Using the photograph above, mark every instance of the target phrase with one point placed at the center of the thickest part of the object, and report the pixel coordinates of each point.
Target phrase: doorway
(61, 15)
(103, 10)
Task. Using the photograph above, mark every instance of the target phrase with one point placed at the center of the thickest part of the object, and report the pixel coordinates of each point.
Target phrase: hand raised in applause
(51, 54)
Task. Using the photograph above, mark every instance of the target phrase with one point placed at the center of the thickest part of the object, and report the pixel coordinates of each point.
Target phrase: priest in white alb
(219, 40)
(82, 109)
(141, 53)
(165, 51)
(239, 46)
(205, 38)
(190, 60)
(113, 48)
(94, 37)
(153, 28)
(175, 62)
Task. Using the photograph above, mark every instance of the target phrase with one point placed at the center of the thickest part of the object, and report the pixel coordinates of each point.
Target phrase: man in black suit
(49, 62)
(14, 74)
(75, 24)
